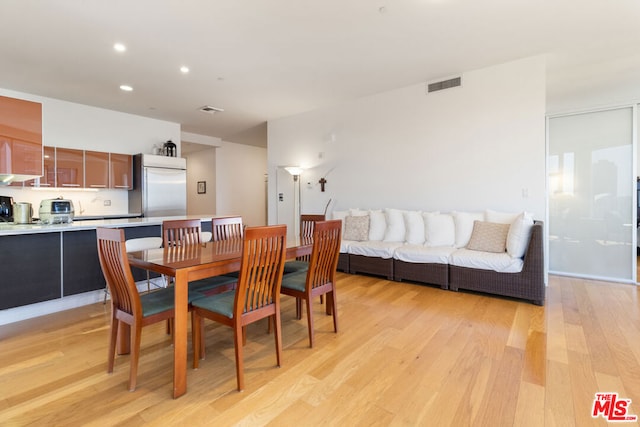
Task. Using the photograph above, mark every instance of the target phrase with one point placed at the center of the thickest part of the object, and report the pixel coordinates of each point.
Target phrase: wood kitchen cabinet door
(121, 171)
(96, 169)
(48, 178)
(69, 167)
(20, 137)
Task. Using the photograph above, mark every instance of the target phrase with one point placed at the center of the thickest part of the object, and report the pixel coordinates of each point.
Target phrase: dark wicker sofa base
(371, 265)
(343, 262)
(528, 284)
(434, 274)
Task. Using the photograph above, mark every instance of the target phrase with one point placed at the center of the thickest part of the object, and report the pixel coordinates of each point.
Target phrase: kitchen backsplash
(85, 202)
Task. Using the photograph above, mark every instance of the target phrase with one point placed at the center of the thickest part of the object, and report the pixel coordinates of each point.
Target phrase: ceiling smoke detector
(211, 110)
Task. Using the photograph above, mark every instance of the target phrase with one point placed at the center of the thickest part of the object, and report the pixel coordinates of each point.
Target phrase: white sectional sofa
(490, 251)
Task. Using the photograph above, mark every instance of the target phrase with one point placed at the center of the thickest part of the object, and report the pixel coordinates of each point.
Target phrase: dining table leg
(180, 334)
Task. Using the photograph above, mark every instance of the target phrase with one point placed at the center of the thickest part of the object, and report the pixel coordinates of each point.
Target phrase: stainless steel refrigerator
(160, 186)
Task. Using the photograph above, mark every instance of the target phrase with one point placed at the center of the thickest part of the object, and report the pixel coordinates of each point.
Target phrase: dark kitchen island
(49, 268)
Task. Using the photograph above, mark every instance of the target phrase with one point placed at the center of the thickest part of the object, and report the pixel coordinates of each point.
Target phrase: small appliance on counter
(56, 211)
(6, 209)
(22, 213)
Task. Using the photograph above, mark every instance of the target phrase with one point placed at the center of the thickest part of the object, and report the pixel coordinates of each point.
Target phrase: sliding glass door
(592, 198)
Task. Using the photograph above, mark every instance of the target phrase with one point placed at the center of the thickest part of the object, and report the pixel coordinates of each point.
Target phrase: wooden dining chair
(179, 232)
(127, 305)
(189, 232)
(257, 295)
(307, 225)
(227, 228)
(320, 278)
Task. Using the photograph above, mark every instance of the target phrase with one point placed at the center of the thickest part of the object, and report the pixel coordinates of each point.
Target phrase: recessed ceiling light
(119, 47)
(126, 88)
(184, 69)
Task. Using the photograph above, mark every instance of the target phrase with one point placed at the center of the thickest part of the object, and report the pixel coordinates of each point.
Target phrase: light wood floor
(405, 355)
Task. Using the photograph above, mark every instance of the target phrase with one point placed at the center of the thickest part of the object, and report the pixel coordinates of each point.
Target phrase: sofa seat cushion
(383, 250)
(499, 262)
(344, 245)
(424, 254)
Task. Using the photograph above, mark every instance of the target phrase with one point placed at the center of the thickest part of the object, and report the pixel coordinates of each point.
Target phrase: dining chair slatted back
(181, 232)
(256, 297)
(227, 228)
(261, 269)
(307, 222)
(127, 305)
(320, 278)
(325, 253)
(307, 225)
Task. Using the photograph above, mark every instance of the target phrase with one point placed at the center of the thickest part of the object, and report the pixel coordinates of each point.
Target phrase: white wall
(240, 182)
(70, 125)
(478, 146)
(201, 166)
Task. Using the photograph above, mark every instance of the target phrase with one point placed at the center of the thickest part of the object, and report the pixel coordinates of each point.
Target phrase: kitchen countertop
(8, 229)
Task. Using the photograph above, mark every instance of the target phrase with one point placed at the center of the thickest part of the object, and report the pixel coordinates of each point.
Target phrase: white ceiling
(265, 59)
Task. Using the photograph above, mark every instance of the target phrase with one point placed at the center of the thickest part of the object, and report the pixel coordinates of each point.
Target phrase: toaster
(56, 211)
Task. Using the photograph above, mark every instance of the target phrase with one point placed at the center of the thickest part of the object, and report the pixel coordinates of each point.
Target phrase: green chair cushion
(295, 281)
(295, 267)
(162, 300)
(219, 303)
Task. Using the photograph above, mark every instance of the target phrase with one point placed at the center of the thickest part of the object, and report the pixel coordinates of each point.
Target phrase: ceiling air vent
(444, 84)
(211, 110)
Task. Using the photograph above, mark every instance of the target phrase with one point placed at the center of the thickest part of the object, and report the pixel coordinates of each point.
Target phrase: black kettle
(170, 149)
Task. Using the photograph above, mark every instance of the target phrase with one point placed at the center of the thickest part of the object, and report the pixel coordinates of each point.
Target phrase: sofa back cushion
(464, 226)
(377, 225)
(519, 234)
(500, 217)
(439, 229)
(414, 227)
(489, 237)
(396, 230)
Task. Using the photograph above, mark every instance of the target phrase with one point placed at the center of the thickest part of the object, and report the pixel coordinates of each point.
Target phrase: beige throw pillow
(356, 228)
(488, 237)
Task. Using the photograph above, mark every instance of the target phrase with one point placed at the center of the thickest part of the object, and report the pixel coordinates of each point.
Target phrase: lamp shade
(294, 170)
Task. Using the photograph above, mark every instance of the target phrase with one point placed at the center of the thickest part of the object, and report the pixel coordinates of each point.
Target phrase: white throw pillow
(518, 237)
(500, 217)
(395, 231)
(414, 225)
(377, 225)
(439, 229)
(464, 226)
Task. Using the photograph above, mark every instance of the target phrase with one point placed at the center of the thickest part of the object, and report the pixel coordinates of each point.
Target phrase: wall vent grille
(210, 110)
(444, 84)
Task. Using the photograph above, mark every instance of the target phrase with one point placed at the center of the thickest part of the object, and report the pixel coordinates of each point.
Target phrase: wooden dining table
(186, 264)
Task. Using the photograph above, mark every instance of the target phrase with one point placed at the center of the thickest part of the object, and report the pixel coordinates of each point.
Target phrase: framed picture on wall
(202, 187)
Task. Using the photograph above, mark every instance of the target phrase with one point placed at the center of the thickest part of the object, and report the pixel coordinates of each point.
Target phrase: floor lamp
(295, 171)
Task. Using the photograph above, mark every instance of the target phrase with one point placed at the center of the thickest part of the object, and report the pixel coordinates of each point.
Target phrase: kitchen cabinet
(69, 167)
(34, 272)
(48, 178)
(96, 169)
(80, 264)
(121, 171)
(20, 137)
